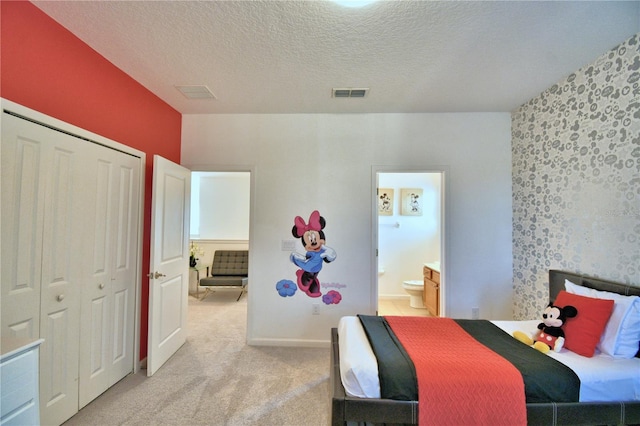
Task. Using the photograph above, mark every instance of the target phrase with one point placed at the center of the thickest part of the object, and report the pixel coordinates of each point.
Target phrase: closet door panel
(97, 339)
(102, 206)
(125, 266)
(94, 349)
(112, 279)
(62, 261)
(25, 207)
(22, 222)
(58, 397)
(96, 305)
(127, 184)
(121, 343)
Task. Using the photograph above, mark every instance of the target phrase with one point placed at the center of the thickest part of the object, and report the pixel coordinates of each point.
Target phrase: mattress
(602, 378)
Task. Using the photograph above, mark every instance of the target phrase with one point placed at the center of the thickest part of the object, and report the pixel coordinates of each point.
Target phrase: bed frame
(345, 408)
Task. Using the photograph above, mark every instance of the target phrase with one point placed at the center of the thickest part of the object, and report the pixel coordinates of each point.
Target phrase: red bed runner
(460, 381)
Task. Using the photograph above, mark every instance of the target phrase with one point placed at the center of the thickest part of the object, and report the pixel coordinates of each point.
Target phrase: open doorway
(409, 237)
(220, 218)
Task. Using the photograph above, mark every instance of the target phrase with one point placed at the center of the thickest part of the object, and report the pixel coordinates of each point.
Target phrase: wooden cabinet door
(431, 294)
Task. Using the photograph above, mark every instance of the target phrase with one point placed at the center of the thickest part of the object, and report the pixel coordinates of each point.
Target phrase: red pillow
(583, 332)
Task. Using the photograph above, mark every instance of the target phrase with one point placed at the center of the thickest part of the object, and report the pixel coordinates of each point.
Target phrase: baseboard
(290, 343)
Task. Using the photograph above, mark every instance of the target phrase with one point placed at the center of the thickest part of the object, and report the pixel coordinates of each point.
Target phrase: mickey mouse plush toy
(550, 334)
(312, 238)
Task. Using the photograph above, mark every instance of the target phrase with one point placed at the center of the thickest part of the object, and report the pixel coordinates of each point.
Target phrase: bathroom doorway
(409, 234)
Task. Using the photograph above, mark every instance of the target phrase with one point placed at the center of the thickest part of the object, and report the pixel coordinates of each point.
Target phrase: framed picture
(411, 202)
(385, 202)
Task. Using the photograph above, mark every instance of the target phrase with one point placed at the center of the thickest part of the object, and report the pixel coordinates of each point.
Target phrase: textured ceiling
(286, 56)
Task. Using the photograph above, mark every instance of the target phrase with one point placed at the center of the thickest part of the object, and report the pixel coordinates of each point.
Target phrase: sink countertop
(433, 265)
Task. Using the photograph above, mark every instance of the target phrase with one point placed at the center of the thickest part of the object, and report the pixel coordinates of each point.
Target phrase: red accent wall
(46, 68)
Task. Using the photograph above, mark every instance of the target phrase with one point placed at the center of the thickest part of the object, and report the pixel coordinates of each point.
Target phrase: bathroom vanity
(431, 294)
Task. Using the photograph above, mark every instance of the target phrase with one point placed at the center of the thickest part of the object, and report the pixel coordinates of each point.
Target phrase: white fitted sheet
(602, 378)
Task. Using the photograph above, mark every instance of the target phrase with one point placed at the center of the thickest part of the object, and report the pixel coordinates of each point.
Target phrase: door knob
(156, 275)
(60, 297)
(101, 286)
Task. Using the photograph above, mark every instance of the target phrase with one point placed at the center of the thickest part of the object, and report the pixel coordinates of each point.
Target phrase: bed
(346, 409)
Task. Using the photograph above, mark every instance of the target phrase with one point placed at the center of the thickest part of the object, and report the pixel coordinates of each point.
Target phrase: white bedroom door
(169, 265)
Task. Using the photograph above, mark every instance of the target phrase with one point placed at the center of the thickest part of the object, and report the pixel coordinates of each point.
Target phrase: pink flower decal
(332, 297)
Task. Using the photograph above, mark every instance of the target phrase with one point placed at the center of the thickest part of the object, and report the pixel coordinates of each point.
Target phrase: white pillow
(577, 289)
(622, 332)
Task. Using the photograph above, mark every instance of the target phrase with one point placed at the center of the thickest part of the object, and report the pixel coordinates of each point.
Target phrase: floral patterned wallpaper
(576, 178)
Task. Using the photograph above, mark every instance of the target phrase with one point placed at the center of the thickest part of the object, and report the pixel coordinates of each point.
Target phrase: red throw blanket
(460, 381)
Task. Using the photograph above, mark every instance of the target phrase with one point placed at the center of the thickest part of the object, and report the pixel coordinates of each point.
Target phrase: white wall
(304, 162)
(403, 249)
(220, 205)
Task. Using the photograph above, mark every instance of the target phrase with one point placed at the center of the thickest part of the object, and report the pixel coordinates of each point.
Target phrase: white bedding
(358, 365)
(602, 378)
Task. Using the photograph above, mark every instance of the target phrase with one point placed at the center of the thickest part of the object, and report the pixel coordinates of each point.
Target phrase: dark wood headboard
(556, 283)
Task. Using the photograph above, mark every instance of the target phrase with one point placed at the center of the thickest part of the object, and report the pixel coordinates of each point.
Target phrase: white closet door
(62, 258)
(95, 321)
(107, 325)
(70, 212)
(22, 222)
(125, 268)
(43, 207)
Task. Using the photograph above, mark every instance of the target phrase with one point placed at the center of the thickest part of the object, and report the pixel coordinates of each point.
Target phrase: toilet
(414, 288)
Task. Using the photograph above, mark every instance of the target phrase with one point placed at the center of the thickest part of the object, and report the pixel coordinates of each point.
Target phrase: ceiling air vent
(196, 92)
(349, 93)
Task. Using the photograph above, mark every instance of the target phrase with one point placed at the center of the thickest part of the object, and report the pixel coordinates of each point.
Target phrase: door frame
(444, 209)
(101, 140)
(251, 169)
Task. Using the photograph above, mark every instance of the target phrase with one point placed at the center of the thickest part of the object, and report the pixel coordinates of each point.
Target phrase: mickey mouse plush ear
(570, 311)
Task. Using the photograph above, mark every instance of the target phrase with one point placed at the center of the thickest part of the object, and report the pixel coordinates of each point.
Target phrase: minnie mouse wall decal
(312, 237)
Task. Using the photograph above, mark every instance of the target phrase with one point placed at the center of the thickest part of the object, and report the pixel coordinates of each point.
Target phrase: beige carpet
(216, 379)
